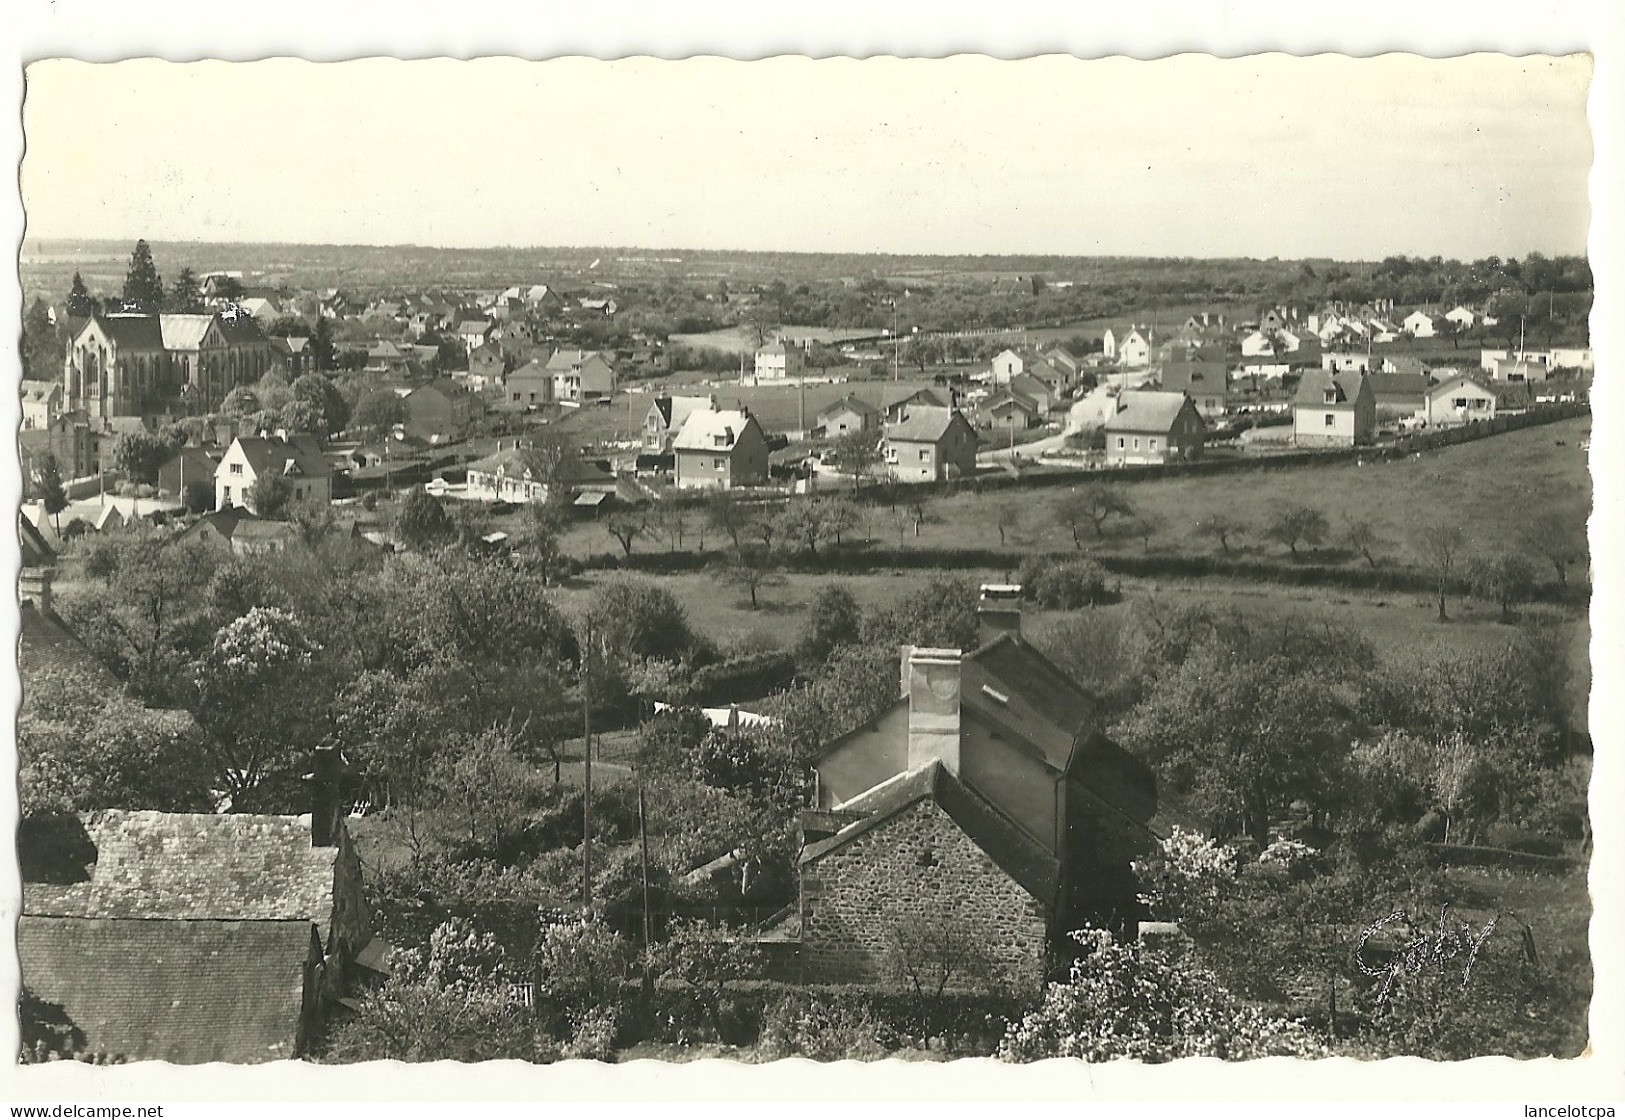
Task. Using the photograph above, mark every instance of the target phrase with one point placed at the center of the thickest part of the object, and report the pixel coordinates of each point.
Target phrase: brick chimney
(933, 707)
(326, 803)
(998, 611)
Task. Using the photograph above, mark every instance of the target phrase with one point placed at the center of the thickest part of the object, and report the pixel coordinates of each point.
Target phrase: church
(128, 364)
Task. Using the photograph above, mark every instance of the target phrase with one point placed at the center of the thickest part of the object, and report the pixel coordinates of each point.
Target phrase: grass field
(1491, 486)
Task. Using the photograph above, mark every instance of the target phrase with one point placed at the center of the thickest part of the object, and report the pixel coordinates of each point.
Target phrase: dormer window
(1331, 396)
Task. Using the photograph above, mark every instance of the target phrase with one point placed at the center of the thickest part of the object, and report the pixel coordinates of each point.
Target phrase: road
(1089, 411)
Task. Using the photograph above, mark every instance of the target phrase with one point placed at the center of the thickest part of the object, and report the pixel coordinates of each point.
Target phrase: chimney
(34, 586)
(933, 708)
(998, 611)
(327, 773)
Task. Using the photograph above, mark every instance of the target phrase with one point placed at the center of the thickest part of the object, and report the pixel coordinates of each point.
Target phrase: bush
(594, 1036)
(1069, 584)
(806, 1025)
(741, 678)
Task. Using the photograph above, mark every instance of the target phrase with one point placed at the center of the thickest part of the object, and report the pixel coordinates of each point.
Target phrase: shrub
(1185, 880)
(1071, 584)
(594, 1035)
(1151, 1005)
(804, 1025)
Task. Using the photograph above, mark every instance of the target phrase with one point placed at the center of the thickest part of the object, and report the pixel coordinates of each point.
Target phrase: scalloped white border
(312, 29)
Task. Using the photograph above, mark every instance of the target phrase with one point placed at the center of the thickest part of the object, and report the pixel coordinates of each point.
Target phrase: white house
(1459, 400)
(1009, 364)
(298, 462)
(1108, 344)
(778, 361)
(1134, 351)
(1257, 344)
(1463, 317)
(1422, 324)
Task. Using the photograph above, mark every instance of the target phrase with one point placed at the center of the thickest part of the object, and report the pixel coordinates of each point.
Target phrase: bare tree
(1092, 506)
(1558, 540)
(930, 954)
(626, 526)
(752, 569)
(1362, 537)
(1439, 547)
(1292, 525)
(1221, 527)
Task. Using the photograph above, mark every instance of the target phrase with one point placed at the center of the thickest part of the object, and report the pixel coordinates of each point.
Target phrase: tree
(802, 519)
(422, 522)
(751, 568)
(706, 959)
(186, 298)
(1221, 527)
(41, 349)
(1505, 577)
(81, 304)
(1092, 506)
(139, 455)
(626, 526)
(833, 619)
(379, 411)
(333, 411)
(322, 351)
(1558, 539)
(143, 287)
(1006, 519)
(50, 490)
(272, 390)
(858, 454)
(1362, 537)
(240, 402)
(640, 619)
(270, 496)
(1291, 524)
(81, 745)
(258, 689)
(1439, 547)
(301, 416)
(928, 952)
(725, 513)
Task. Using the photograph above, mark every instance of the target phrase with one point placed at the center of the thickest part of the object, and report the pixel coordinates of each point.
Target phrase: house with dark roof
(580, 376)
(929, 445)
(188, 468)
(1334, 409)
(1206, 383)
(441, 410)
(1153, 427)
(778, 360)
(719, 450)
(486, 365)
(1399, 396)
(529, 386)
(849, 414)
(297, 461)
(985, 800)
(666, 416)
(192, 937)
(1009, 410)
(927, 396)
(131, 365)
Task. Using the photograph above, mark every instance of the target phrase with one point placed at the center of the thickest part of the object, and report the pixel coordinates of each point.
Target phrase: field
(1489, 485)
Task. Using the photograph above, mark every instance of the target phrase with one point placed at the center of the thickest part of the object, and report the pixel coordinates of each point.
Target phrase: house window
(1136, 443)
(1121, 443)
(1151, 444)
(227, 493)
(1331, 419)
(1331, 396)
(925, 454)
(298, 492)
(719, 464)
(236, 468)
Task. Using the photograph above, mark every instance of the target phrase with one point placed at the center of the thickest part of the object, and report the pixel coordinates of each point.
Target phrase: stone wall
(917, 867)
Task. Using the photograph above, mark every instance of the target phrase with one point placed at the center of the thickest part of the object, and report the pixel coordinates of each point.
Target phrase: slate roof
(1016, 854)
(922, 424)
(176, 991)
(1146, 412)
(269, 454)
(1313, 385)
(40, 391)
(853, 403)
(701, 429)
(1029, 386)
(675, 410)
(138, 332)
(45, 642)
(1399, 384)
(36, 553)
(1195, 377)
(225, 867)
(473, 327)
(1406, 363)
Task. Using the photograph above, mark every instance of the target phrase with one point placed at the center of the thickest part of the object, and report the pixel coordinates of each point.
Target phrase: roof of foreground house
(1146, 412)
(1315, 384)
(704, 428)
(180, 991)
(922, 424)
(148, 864)
(1017, 854)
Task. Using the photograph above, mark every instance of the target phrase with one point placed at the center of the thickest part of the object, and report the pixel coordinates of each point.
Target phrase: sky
(1266, 156)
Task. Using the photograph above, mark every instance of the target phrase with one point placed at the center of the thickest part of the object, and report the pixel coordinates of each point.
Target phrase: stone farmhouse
(193, 937)
(985, 801)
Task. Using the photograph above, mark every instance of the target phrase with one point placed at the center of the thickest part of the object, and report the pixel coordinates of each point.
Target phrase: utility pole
(643, 841)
